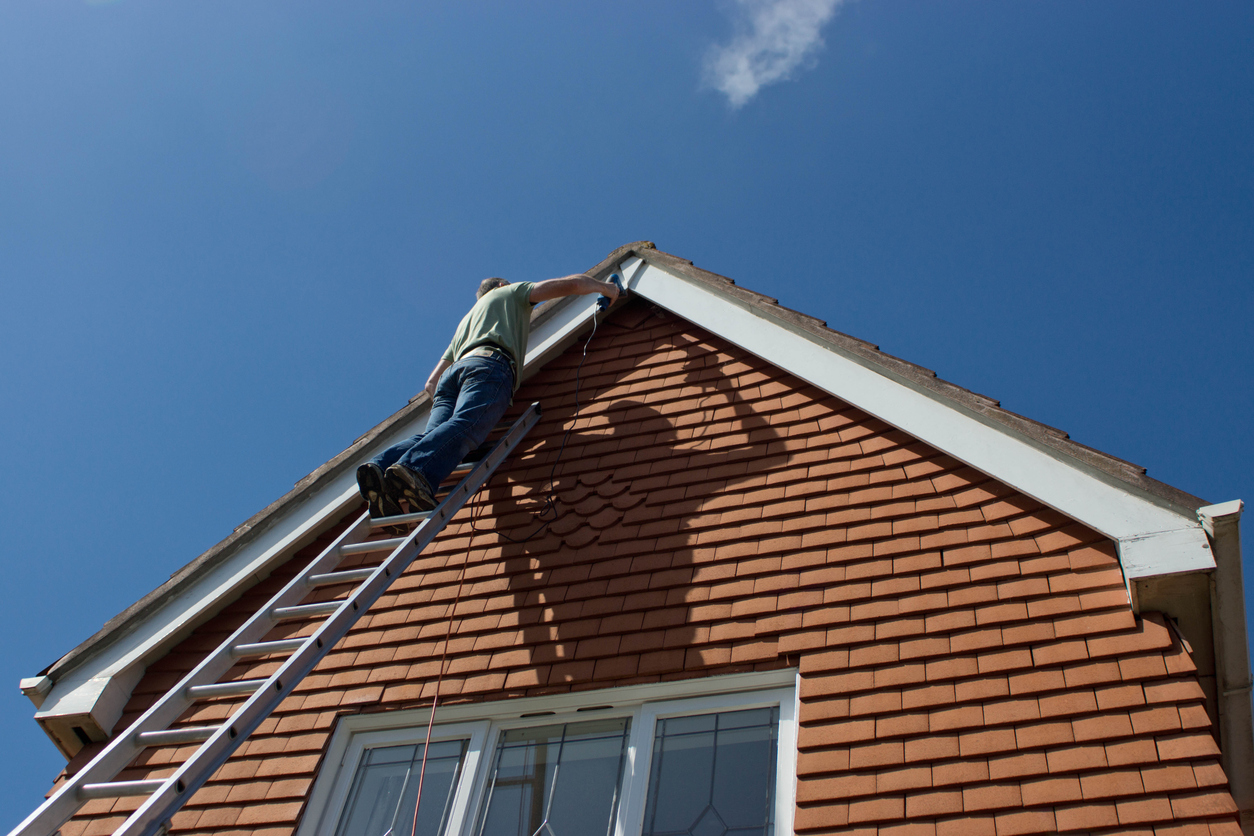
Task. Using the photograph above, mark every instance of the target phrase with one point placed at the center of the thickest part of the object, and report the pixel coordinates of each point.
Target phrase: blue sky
(234, 236)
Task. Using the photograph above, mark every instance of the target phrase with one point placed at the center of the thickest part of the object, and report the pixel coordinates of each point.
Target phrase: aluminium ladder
(167, 795)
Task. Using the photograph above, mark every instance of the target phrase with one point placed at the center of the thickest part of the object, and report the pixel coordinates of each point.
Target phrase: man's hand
(609, 289)
(578, 284)
(434, 379)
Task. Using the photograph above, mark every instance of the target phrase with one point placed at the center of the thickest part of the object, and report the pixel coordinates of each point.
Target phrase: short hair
(490, 284)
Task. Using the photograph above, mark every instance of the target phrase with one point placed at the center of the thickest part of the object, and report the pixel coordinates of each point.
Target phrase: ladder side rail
(124, 748)
(148, 819)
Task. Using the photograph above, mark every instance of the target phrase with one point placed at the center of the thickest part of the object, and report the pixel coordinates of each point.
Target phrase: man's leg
(370, 480)
(480, 388)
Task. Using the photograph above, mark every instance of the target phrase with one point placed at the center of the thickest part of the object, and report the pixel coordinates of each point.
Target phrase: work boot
(374, 491)
(403, 483)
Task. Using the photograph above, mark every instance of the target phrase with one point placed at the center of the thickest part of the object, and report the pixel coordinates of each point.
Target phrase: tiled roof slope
(969, 660)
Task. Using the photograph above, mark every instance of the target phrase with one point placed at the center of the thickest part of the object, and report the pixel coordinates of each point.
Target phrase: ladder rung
(372, 546)
(225, 689)
(304, 610)
(399, 519)
(117, 789)
(337, 578)
(266, 648)
(172, 737)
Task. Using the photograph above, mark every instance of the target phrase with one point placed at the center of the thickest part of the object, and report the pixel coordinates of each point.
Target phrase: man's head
(490, 284)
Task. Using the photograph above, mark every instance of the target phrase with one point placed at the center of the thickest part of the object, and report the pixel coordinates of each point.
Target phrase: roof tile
(1147, 666)
(1168, 777)
(1112, 783)
(967, 826)
(928, 695)
(1060, 652)
(877, 809)
(902, 724)
(866, 755)
(1086, 816)
(1071, 702)
(959, 772)
(924, 828)
(1131, 752)
(1209, 775)
(1102, 727)
(1176, 690)
(849, 785)
(1017, 765)
(991, 797)
(959, 717)
(1026, 821)
(1143, 810)
(986, 742)
(1075, 758)
(1011, 711)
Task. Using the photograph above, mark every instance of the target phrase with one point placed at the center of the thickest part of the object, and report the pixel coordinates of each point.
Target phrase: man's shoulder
(520, 292)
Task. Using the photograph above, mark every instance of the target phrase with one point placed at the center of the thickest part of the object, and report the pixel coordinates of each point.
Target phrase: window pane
(385, 790)
(559, 780)
(713, 775)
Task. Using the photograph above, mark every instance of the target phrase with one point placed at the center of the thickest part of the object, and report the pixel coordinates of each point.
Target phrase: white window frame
(355, 744)
(481, 725)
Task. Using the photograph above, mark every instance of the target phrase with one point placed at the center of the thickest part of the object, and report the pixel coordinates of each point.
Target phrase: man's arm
(579, 284)
(435, 376)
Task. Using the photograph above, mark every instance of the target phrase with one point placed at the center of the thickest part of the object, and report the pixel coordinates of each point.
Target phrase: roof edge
(1126, 472)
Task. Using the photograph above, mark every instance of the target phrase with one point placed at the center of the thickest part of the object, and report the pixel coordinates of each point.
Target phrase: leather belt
(491, 351)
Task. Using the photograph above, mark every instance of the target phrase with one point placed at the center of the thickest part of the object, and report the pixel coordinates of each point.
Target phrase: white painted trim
(617, 697)
(1156, 540)
(482, 723)
(1232, 655)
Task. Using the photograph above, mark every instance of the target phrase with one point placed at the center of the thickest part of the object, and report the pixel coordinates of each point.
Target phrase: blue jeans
(470, 399)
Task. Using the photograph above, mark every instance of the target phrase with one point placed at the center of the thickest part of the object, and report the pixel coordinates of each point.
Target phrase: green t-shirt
(503, 318)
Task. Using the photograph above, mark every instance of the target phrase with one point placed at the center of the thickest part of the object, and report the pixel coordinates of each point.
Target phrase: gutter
(1232, 656)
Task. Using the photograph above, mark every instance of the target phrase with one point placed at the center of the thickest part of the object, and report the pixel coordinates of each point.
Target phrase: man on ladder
(470, 389)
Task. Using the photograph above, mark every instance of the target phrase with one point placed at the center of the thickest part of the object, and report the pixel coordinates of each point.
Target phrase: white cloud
(776, 37)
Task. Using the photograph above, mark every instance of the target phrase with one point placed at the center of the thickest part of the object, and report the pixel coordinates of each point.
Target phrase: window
(713, 774)
(385, 789)
(553, 780)
(708, 757)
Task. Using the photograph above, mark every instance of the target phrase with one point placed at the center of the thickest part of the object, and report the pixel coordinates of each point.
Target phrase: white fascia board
(1153, 540)
(101, 684)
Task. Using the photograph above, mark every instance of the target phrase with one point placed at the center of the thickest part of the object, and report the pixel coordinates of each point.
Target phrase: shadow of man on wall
(668, 448)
